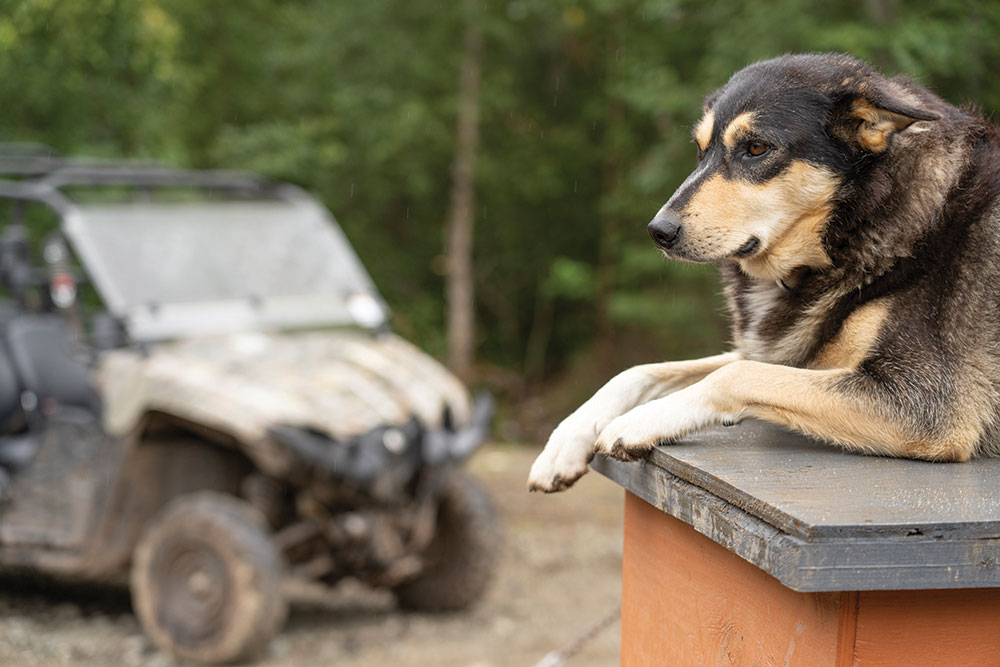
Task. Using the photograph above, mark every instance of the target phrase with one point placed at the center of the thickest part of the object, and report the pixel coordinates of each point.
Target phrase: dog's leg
(571, 445)
(836, 405)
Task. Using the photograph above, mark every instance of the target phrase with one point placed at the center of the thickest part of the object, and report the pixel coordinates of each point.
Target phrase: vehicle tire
(462, 556)
(206, 579)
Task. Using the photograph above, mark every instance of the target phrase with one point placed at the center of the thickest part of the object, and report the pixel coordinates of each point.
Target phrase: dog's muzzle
(665, 230)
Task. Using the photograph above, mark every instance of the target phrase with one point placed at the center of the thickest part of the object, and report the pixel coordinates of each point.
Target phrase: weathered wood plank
(811, 489)
(869, 558)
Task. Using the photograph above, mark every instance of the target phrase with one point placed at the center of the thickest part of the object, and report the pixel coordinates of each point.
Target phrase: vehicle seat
(10, 389)
(40, 349)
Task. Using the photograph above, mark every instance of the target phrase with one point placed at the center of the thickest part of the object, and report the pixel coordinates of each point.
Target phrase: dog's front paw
(635, 433)
(563, 461)
(628, 438)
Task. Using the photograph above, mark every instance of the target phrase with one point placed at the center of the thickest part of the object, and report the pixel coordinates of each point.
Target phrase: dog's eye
(757, 148)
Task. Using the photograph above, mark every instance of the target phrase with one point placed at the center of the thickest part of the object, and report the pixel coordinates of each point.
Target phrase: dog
(856, 222)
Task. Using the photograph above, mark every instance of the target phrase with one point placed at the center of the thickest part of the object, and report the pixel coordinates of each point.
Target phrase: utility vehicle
(200, 395)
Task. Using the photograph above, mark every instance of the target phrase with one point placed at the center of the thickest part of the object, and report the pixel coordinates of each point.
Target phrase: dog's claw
(619, 451)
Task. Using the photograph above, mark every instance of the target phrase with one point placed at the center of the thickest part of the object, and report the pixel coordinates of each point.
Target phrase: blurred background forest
(584, 119)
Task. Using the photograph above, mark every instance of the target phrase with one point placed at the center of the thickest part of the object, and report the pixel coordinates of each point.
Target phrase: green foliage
(586, 114)
(570, 279)
(85, 74)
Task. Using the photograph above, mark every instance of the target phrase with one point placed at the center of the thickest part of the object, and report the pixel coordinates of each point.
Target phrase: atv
(200, 395)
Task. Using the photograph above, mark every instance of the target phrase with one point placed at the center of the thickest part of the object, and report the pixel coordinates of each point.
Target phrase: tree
(461, 313)
(573, 133)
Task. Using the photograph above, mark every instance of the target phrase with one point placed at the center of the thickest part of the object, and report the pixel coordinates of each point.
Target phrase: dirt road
(561, 573)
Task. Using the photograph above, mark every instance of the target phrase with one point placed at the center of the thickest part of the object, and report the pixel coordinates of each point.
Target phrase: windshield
(190, 268)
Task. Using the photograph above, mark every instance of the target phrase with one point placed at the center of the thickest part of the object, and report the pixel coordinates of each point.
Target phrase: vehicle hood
(339, 383)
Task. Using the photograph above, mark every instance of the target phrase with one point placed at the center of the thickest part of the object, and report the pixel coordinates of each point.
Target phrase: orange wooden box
(752, 546)
(689, 601)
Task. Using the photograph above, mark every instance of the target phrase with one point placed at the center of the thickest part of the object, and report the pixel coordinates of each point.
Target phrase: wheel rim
(195, 588)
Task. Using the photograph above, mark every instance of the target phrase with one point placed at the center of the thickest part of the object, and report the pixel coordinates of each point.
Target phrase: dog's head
(775, 145)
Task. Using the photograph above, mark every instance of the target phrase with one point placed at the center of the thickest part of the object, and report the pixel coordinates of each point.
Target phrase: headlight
(394, 440)
(365, 310)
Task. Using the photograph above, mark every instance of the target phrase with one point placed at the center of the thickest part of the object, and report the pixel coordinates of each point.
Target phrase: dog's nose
(665, 229)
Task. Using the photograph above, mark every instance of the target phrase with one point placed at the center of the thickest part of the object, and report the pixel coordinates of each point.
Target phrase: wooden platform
(749, 545)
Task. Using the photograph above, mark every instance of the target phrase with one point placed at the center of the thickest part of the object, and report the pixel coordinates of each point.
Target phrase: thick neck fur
(890, 202)
(892, 212)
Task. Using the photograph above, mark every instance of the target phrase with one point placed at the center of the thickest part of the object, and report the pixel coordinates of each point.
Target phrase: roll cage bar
(32, 172)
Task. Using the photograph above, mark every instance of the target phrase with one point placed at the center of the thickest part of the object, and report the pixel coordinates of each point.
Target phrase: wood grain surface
(686, 600)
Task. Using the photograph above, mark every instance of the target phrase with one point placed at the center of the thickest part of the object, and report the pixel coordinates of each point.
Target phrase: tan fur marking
(703, 130)
(739, 125)
(808, 401)
(877, 125)
(855, 339)
(799, 244)
(672, 375)
(787, 214)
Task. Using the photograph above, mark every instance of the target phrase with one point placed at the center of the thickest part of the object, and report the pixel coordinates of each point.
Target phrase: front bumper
(383, 461)
(444, 444)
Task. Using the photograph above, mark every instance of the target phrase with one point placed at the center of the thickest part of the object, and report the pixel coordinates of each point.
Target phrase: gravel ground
(561, 574)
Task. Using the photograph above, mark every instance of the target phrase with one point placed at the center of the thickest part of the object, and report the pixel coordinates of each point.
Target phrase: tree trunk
(461, 321)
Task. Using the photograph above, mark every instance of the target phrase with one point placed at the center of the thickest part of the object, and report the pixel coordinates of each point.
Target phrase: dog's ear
(870, 118)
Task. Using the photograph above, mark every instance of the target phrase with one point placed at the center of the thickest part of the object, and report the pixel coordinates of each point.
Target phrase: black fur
(891, 233)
